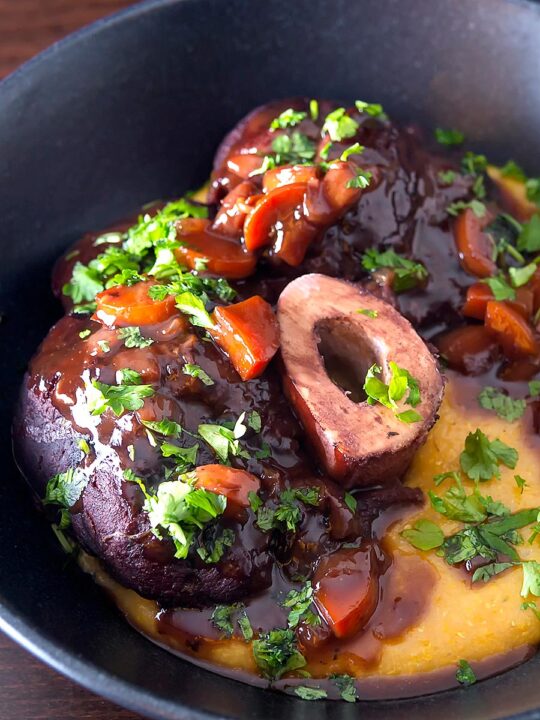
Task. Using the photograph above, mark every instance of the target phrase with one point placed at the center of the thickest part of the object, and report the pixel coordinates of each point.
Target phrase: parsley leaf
(350, 501)
(407, 273)
(521, 483)
(129, 395)
(185, 457)
(64, 489)
(339, 125)
(254, 421)
(84, 285)
(223, 618)
(521, 276)
(486, 572)
(299, 602)
(192, 306)
(287, 514)
(478, 207)
(401, 383)
(133, 338)
(196, 371)
(513, 170)
(473, 164)
(481, 457)
(346, 686)
(361, 180)
(424, 535)
(213, 547)
(355, 149)
(169, 428)
(276, 653)
(465, 674)
(373, 109)
(297, 149)
(534, 388)
(182, 510)
(368, 313)
(447, 177)
(310, 693)
(288, 118)
(506, 407)
(531, 578)
(529, 238)
(223, 440)
(449, 137)
(500, 288)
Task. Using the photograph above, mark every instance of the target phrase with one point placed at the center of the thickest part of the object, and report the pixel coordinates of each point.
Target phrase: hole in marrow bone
(347, 355)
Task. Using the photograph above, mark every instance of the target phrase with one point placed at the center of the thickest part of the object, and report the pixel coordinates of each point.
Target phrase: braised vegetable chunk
(124, 305)
(291, 420)
(248, 333)
(346, 590)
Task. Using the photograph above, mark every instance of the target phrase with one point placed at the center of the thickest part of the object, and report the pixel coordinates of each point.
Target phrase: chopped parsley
(531, 578)
(478, 207)
(287, 514)
(500, 288)
(84, 334)
(355, 149)
(449, 137)
(224, 616)
(213, 545)
(128, 395)
(185, 458)
(424, 535)
(368, 313)
(133, 338)
(407, 273)
(465, 674)
(314, 110)
(402, 387)
(346, 686)
(529, 237)
(310, 693)
(83, 446)
(521, 483)
(373, 109)
(169, 428)
(254, 421)
(196, 371)
(299, 603)
(64, 489)
(85, 283)
(288, 118)
(361, 180)
(521, 275)
(296, 149)
(473, 164)
(504, 406)
(182, 510)
(193, 306)
(350, 501)
(481, 457)
(104, 346)
(225, 440)
(447, 177)
(339, 125)
(276, 653)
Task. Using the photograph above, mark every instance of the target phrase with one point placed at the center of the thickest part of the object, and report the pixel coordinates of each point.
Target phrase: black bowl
(132, 109)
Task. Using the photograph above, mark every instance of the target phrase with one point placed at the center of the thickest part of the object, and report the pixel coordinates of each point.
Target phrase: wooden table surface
(30, 690)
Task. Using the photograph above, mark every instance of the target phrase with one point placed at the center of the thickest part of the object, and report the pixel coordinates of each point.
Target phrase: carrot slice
(248, 333)
(471, 349)
(514, 333)
(513, 194)
(287, 175)
(479, 294)
(122, 305)
(279, 205)
(215, 253)
(474, 246)
(233, 483)
(347, 590)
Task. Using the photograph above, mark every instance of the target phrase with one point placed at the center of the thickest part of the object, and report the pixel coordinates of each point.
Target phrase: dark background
(30, 690)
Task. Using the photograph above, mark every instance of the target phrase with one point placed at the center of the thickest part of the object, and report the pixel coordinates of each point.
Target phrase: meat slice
(331, 333)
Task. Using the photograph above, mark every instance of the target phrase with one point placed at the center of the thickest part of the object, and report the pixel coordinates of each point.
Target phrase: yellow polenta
(461, 621)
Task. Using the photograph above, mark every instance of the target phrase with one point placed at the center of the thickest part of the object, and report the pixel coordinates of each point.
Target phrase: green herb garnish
(408, 274)
(507, 408)
(465, 674)
(449, 137)
(133, 338)
(276, 653)
(402, 387)
(196, 371)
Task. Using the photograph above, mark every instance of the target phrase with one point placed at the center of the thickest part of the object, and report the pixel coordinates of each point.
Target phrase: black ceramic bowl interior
(132, 109)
